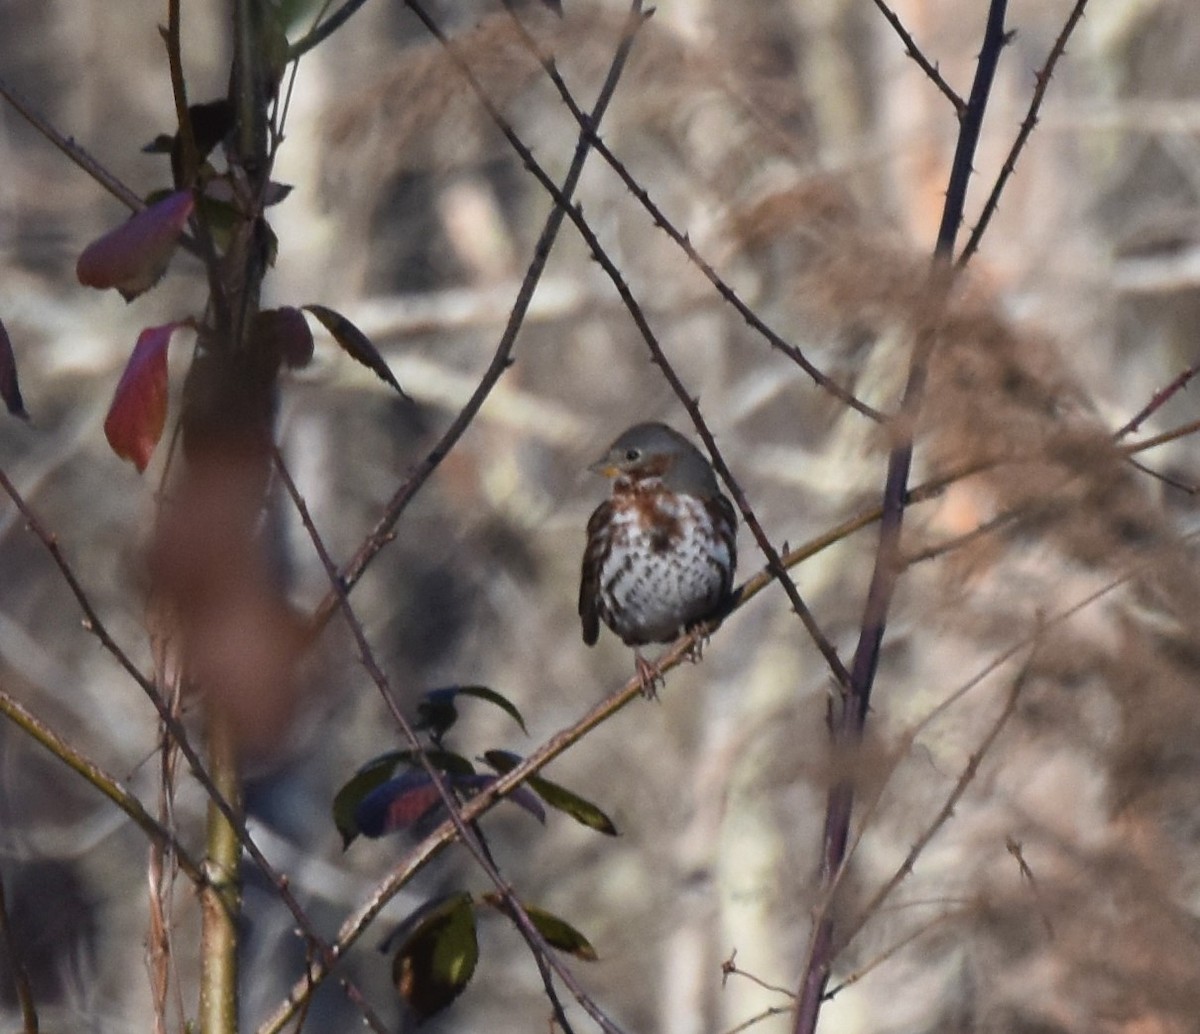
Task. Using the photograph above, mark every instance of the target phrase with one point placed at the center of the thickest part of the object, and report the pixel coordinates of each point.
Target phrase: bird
(662, 549)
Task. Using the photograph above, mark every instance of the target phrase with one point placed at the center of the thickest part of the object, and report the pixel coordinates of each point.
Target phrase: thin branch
(542, 951)
(108, 785)
(966, 777)
(1157, 400)
(80, 157)
(563, 204)
(847, 727)
(926, 66)
(1015, 848)
(1191, 427)
(93, 624)
(322, 31)
(682, 240)
(1042, 81)
(888, 953)
(502, 357)
(71, 149)
(8, 940)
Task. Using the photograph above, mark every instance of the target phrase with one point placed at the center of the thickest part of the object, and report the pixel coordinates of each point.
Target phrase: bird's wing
(589, 580)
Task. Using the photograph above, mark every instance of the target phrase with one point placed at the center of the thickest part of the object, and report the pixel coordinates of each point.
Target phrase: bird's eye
(633, 454)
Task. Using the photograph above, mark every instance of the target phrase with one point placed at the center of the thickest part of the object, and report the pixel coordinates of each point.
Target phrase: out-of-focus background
(807, 159)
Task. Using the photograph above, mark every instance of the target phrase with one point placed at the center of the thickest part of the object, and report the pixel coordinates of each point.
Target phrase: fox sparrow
(661, 551)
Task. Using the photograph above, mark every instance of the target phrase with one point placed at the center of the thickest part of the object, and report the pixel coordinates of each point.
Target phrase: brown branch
(502, 357)
(545, 957)
(80, 157)
(1042, 81)
(682, 240)
(563, 204)
(966, 777)
(1157, 400)
(926, 66)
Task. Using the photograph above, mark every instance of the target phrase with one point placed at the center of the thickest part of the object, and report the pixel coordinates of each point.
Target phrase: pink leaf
(138, 411)
(132, 257)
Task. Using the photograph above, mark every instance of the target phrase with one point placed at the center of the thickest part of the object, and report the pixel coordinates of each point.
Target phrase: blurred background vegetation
(807, 158)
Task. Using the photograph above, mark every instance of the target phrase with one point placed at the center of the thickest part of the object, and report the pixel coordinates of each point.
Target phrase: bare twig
(682, 240)
(1016, 849)
(1157, 400)
(575, 213)
(1042, 81)
(502, 357)
(94, 625)
(8, 940)
(888, 953)
(926, 66)
(102, 781)
(80, 157)
(965, 778)
(847, 727)
(323, 30)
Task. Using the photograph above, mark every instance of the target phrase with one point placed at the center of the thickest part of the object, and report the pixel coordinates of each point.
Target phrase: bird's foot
(648, 676)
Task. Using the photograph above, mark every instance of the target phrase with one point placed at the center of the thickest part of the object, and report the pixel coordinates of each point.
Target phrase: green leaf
(355, 344)
(437, 955)
(558, 797)
(560, 934)
(557, 931)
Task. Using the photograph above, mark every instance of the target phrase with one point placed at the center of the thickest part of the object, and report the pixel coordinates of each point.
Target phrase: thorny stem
(682, 240)
(502, 357)
(926, 66)
(1042, 81)
(847, 726)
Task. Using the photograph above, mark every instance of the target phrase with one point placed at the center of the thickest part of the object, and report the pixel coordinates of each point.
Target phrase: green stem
(221, 900)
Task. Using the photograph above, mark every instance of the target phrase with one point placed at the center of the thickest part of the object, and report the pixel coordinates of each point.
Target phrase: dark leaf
(134, 256)
(355, 344)
(275, 193)
(396, 804)
(211, 123)
(412, 800)
(558, 797)
(376, 772)
(558, 932)
(436, 711)
(349, 797)
(138, 411)
(284, 335)
(437, 954)
(161, 144)
(10, 390)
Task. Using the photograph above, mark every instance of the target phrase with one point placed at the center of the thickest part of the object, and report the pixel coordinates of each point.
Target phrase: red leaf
(10, 390)
(138, 411)
(132, 257)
